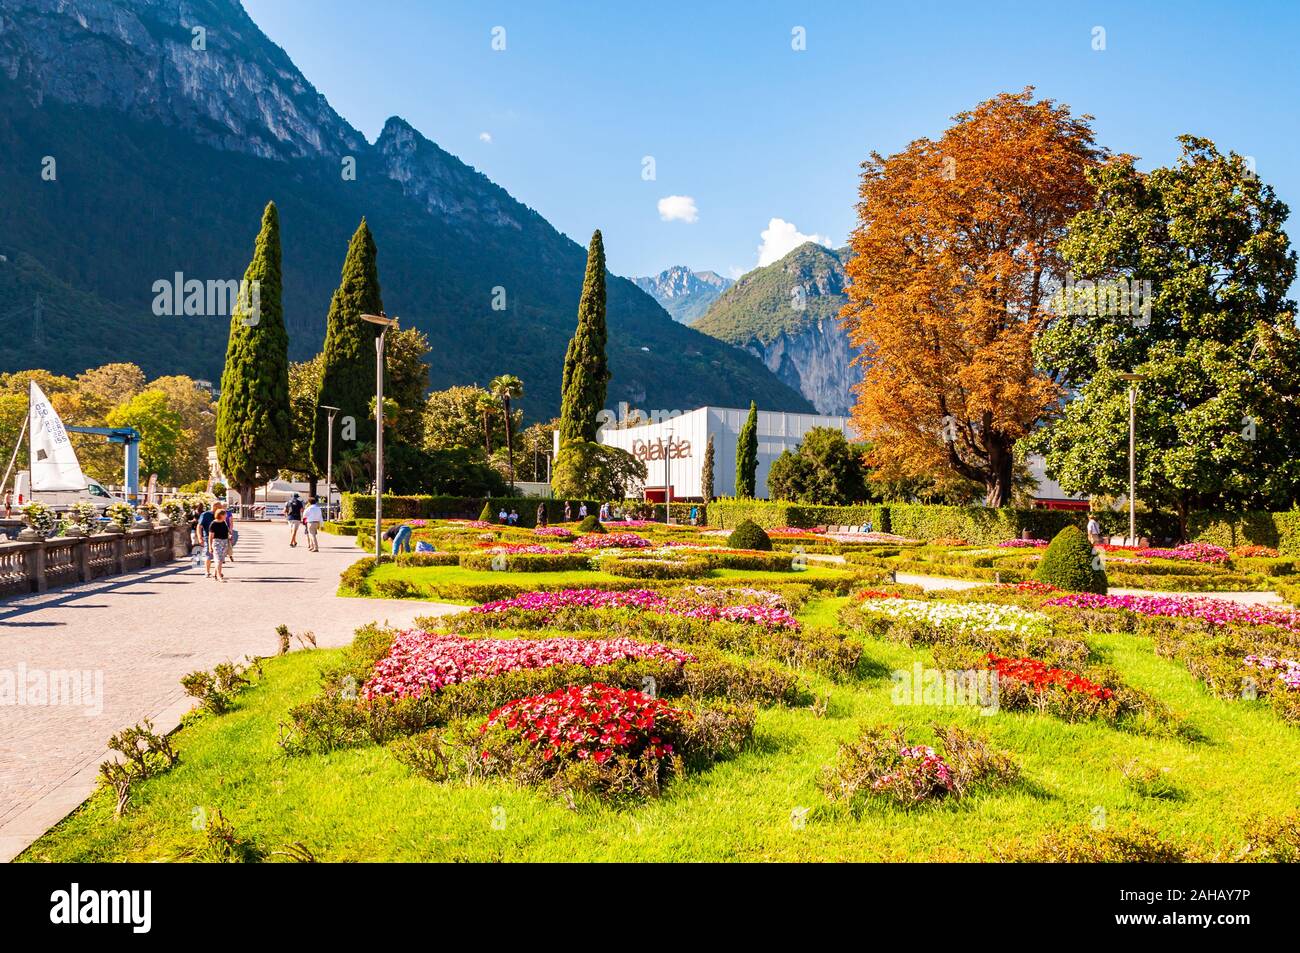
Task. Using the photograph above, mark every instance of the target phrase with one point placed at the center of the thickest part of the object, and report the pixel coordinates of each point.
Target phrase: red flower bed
(1040, 676)
(419, 662)
(1030, 587)
(595, 722)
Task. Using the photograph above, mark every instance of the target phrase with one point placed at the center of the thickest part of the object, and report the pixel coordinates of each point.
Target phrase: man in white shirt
(1094, 529)
(313, 517)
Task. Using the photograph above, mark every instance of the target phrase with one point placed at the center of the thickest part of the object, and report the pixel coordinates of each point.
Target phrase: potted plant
(40, 522)
(174, 509)
(81, 517)
(121, 517)
(149, 512)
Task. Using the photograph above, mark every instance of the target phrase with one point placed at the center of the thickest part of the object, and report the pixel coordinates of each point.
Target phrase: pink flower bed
(1217, 611)
(559, 532)
(646, 600)
(1288, 670)
(1023, 543)
(474, 524)
(796, 531)
(532, 549)
(631, 524)
(611, 541)
(419, 662)
(1191, 552)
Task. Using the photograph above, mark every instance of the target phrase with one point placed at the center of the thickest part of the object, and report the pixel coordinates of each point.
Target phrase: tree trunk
(311, 485)
(1182, 519)
(510, 445)
(487, 435)
(997, 480)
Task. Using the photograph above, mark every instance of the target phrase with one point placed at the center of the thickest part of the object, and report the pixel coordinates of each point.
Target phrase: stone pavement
(130, 639)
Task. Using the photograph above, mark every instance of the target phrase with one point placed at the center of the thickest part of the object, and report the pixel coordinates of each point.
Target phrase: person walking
(541, 516)
(234, 535)
(582, 511)
(568, 512)
(203, 527)
(313, 517)
(293, 515)
(219, 531)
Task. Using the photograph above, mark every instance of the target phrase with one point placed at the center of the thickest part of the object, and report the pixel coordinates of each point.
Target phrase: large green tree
(593, 471)
(747, 456)
(1214, 335)
(347, 376)
(253, 420)
(160, 429)
(825, 468)
(586, 370)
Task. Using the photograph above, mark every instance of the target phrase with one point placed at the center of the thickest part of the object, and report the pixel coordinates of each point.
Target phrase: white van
(59, 500)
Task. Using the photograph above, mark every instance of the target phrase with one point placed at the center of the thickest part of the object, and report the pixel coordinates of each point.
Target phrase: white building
(672, 449)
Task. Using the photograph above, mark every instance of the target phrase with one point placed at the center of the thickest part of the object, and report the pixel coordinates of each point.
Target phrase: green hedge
(525, 562)
(361, 506)
(1230, 530)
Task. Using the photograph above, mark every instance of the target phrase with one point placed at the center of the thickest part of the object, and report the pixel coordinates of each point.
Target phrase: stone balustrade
(35, 566)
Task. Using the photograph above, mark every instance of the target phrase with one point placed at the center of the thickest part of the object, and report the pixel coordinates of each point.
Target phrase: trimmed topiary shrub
(590, 524)
(749, 535)
(486, 514)
(1068, 564)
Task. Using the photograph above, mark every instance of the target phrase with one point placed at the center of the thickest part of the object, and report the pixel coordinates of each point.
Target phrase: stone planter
(29, 535)
(113, 528)
(74, 532)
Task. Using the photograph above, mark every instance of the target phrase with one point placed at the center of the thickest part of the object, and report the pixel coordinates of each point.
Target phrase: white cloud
(678, 208)
(782, 237)
(485, 137)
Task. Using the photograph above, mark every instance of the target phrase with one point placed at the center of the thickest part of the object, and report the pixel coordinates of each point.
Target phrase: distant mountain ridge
(683, 293)
(787, 315)
(166, 155)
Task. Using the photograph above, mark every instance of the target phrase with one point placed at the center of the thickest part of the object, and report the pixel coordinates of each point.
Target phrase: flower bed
(419, 662)
(1023, 544)
(1215, 611)
(637, 566)
(614, 743)
(557, 532)
(644, 600)
(549, 561)
(1287, 670)
(1040, 677)
(592, 721)
(531, 549)
(1192, 552)
(611, 541)
(881, 764)
(960, 617)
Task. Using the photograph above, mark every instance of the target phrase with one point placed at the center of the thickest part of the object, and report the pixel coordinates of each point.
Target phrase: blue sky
(752, 130)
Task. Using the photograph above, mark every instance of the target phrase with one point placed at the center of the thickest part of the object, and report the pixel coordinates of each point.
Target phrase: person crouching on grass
(219, 532)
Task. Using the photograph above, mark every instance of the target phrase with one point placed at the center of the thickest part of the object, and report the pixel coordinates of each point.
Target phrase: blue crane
(129, 437)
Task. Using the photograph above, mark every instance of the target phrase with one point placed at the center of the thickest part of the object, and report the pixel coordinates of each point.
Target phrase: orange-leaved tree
(954, 267)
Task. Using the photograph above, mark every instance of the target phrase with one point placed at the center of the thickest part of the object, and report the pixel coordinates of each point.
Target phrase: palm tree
(486, 406)
(508, 387)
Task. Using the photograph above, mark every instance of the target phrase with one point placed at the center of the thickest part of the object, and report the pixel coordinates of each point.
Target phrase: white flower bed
(961, 617)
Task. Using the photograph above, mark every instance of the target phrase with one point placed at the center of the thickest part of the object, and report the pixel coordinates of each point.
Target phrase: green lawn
(363, 805)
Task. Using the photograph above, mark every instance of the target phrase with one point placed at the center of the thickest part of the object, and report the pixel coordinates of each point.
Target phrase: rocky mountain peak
(199, 65)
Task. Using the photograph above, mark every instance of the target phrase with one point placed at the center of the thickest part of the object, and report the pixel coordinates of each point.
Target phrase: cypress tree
(706, 472)
(347, 379)
(747, 455)
(253, 416)
(586, 370)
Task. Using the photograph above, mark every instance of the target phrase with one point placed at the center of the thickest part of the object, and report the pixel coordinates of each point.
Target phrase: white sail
(54, 464)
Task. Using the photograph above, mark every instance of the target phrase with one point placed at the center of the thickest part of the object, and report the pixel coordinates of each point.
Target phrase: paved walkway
(136, 635)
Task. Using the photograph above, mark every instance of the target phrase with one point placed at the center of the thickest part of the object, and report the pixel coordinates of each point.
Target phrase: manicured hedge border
(525, 562)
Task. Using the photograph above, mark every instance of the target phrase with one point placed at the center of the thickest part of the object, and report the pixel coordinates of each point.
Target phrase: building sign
(647, 450)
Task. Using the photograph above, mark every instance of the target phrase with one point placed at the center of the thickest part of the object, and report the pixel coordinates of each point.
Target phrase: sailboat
(55, 476)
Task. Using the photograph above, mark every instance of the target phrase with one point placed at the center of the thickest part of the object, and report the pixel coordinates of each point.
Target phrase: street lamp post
(329, 457)
(668, 479)
(384, 322)
(1133, 380)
